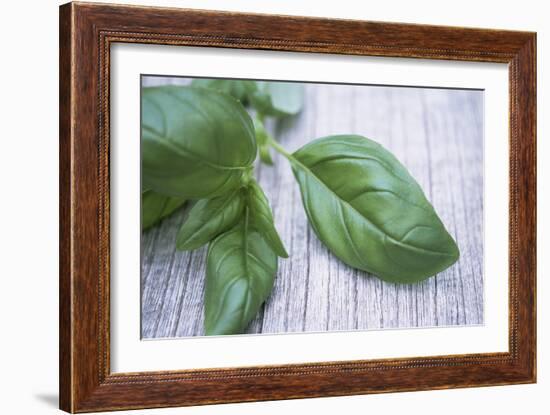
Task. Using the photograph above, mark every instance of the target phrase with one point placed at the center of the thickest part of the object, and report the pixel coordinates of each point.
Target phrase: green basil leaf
(278, 99)
(262, 141)
(155, 207)
(261, 218)
(196, 143)
(240, 273)
(239, 89)
(369, 211)
(208, 218)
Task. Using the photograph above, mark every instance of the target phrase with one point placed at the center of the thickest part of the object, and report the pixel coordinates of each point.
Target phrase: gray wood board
(436, 133)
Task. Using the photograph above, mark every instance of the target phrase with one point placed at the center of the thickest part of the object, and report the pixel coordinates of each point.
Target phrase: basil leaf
(240, 273)
(262, 141)
(208, 218)
(155, 207)
(239, 89)
(278, 99)
(369, 211)
(261, 218)
(196, 143)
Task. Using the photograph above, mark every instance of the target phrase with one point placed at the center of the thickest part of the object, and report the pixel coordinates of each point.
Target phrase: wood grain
(436, 133)
(86, 33)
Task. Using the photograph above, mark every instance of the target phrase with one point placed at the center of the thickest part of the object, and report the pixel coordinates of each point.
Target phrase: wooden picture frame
(86, 33)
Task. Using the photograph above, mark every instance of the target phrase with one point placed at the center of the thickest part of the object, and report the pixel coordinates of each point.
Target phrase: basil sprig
(200, 143)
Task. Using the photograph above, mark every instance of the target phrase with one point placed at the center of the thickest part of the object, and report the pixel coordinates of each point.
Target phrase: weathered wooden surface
(436, 133)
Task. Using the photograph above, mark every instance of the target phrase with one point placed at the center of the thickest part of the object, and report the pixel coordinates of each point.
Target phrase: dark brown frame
(86, 33)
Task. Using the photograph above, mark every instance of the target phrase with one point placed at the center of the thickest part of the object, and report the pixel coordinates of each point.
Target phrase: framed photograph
(259, 207)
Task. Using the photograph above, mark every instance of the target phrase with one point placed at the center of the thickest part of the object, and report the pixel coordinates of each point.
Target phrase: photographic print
(284, 207)
(342, 207)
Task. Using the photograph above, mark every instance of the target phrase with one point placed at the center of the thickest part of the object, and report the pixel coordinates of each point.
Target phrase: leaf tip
(454, 251)
(283, 254)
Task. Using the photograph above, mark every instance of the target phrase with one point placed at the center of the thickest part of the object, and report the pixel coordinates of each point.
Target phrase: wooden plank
(436, 133)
